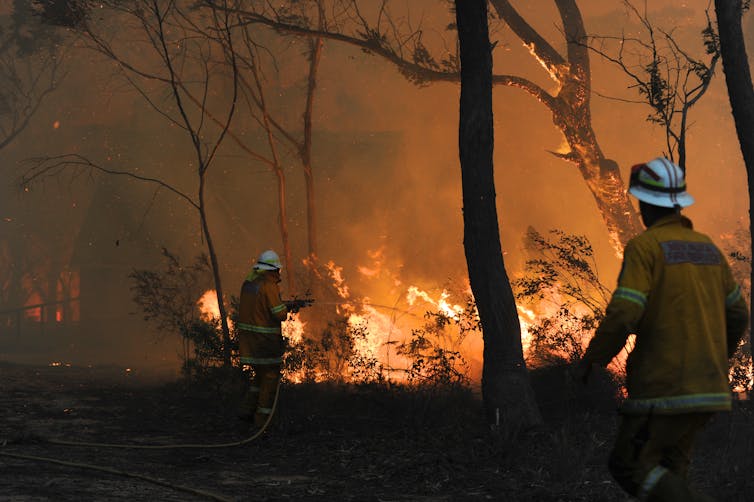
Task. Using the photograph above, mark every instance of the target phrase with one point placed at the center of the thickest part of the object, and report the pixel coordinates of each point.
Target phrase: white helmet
(661, 183)
(269, 260)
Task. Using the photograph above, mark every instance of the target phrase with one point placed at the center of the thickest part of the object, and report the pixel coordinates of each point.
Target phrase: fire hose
(249, 439)
(258, 433)
(109, 470)
(118, 472)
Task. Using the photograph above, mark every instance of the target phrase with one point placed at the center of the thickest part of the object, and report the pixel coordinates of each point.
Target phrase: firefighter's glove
(297, 304)
(293, 306)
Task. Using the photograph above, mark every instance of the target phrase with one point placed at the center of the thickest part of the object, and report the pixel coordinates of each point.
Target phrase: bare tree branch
(26, 79)
(46, 167)
(664, 74)
(553, 62)
(401, 44)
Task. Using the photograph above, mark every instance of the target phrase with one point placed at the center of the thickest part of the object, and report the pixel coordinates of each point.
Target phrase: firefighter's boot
(673, 488)
(269, 376)
(249, 404)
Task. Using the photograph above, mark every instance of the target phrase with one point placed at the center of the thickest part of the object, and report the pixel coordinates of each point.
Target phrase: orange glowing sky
(386, 160)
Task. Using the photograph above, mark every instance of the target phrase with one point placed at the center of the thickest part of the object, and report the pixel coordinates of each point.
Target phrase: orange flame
(208, 306)
(441, 304)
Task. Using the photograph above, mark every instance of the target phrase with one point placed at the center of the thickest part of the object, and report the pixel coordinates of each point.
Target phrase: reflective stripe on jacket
(260, 308)
(677, 294)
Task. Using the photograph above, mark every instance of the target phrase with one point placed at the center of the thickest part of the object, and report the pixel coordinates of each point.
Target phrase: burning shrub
(563, 335)
(323, 358)
(737, 246)
(204, 335)
(363, 364)
(561, 282)
(741, 368)
(344, 353)
(333, 356)
(432, 364)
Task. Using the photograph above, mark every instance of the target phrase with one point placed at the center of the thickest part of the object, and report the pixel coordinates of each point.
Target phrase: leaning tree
(380, 33)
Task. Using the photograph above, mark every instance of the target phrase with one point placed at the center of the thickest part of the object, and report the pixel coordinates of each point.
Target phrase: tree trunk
(508, 396)
(283, 222)
(740, 90)
(570, 106)
(215, 274)
(306, 147)
(280, 177)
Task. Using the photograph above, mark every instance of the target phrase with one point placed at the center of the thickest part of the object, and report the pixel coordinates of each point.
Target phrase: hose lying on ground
(109, 470)
(133, 475)
(64, 442)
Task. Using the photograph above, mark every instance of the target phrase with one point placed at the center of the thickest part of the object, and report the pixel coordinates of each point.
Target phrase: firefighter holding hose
(676, 293)
(260, 340)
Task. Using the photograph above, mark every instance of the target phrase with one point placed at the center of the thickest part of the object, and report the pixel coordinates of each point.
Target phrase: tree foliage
(667, 76)
(30, 68)
(168, 296)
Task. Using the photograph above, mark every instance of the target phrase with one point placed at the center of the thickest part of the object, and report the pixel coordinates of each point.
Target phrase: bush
(737, 247)
(339, 355)
(322, 358)
(168, 299)
(432, 363)
(561, 282)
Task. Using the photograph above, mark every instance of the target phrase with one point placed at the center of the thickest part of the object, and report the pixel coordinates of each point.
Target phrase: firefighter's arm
(278, 309)
(625, 309)
(736, 321)
(621, 319)
(296, 304)
(736, 311)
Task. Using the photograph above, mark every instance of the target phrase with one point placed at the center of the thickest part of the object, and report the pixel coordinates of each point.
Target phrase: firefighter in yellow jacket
(677, 295)
(260, 339)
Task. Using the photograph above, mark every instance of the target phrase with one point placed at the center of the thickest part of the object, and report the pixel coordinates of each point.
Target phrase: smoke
(386, 171)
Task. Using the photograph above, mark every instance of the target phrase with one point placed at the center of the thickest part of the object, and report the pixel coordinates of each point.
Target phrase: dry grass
(336, 442)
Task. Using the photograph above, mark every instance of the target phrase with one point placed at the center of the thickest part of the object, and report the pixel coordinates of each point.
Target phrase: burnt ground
(329, 443)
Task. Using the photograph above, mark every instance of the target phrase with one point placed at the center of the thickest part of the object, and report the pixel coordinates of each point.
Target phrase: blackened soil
(370, 443)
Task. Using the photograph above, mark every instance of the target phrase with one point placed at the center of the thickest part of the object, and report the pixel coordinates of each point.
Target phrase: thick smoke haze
(385, 166)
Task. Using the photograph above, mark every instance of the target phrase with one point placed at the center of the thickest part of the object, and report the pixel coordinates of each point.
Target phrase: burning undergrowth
(561, 289)
(419, 337)
(416, 336)
(736, 246)
(403, 333)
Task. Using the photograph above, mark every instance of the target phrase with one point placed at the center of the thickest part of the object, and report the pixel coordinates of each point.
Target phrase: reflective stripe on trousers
(651, 481)
(690, 402)
(274, 330)
(261, 360)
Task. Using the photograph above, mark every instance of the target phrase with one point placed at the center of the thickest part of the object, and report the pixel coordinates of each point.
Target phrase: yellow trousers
(652, 453)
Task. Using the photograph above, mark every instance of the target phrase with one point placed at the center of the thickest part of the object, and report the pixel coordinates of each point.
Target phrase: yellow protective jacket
(260, 308)
(676, 293)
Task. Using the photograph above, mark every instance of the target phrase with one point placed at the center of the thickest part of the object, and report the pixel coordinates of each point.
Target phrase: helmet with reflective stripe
(660, 182)
(269, 260)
